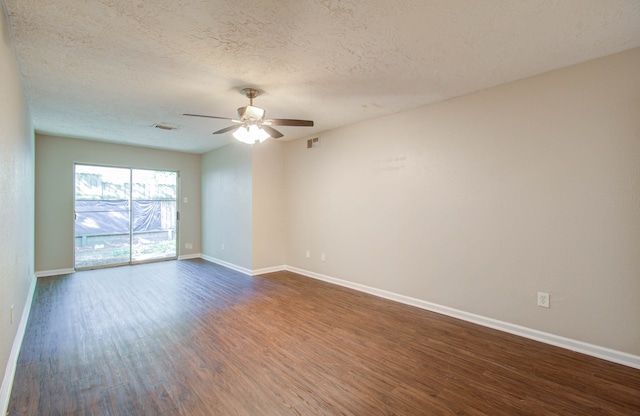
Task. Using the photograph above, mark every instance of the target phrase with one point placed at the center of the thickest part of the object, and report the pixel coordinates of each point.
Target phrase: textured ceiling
(110, 69)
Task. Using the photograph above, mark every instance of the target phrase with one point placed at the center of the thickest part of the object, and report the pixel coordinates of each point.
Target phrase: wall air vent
(311, 143)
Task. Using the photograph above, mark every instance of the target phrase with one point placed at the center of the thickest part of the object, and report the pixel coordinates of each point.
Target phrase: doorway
(124, 216)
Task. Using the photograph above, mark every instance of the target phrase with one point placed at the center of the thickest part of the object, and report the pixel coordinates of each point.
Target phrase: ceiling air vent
(164, 126)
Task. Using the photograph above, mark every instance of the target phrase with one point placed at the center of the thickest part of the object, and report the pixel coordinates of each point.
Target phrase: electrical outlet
(308, 254)
(323, 257)
(11, 315)
(544, 300)
(222, 246)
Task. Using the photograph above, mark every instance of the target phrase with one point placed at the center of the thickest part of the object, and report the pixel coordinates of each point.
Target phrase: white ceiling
(110, 69)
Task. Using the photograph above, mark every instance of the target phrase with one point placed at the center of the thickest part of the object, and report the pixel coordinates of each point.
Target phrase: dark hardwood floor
(193, 338)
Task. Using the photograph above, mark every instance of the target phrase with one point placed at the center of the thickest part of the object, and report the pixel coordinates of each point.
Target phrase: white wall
(479, 202)
(268, 215)
(226, 205)
(16, 207)
(55, 158)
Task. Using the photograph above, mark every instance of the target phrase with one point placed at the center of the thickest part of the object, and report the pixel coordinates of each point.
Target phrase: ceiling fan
(251, 125)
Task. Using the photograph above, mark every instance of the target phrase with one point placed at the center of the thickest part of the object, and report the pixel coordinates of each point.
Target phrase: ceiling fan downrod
(250, 93)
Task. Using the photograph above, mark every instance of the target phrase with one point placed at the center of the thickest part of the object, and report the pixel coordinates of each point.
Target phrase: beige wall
(243, 205)
(226, 204)
(480, 202)
(55, 158)
(16, 207)
(268, 216)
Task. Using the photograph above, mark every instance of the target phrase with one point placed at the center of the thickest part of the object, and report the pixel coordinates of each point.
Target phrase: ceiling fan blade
(221, 118)
(288, 122)
(226, 129)
(272, 132)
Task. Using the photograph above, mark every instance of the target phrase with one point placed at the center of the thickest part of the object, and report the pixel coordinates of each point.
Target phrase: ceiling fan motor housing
(250, 113)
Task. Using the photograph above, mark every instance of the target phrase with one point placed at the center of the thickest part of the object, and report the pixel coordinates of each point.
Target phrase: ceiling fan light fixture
(250, 134)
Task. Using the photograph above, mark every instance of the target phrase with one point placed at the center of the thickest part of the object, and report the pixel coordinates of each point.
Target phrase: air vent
(311, 143)
(164, 126)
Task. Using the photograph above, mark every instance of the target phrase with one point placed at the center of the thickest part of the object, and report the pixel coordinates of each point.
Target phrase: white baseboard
(190, 256)
(226, 264)
(244, 270)
(266, 270)
(10, 371)
(604, 353)
(48, 273)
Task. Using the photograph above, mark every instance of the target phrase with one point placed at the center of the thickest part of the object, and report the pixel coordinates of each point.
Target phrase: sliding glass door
(153, 214)
(124, 216)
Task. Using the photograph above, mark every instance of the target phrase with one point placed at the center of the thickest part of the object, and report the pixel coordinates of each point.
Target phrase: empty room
(320, 207)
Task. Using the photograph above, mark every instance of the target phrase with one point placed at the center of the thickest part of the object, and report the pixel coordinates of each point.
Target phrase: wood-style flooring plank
(194, 338)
